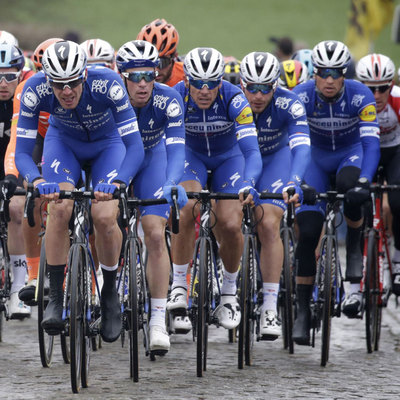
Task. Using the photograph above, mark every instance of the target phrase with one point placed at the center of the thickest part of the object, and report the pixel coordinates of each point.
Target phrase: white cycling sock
(396, 256)
(180, 272)
(354, 288)
(270, 296)
(19, 272)
(229, 282)
(157, 316)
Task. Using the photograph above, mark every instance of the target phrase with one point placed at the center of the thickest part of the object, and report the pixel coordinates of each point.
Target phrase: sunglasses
(137, 76)
(70, 84)
(253, 88)
(9, 76)
(325, 73)
(164, 62)
(199, 84)
(380, 89)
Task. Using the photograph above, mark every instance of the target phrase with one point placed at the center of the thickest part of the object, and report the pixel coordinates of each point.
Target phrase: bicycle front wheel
(371, 293)
(329, 267)
(46, 342)
(202, 306)
(77, 316)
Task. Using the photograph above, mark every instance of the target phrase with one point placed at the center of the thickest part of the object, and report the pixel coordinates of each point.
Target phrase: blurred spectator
(74, 36)
(284, 48)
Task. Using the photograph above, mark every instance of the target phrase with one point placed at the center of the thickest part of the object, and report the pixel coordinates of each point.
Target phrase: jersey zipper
(332, 131)
(83, 126)
(206, 134)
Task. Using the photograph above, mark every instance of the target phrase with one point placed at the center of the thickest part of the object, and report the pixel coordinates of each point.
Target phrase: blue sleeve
(301, 157)
(133, 158)
(23, 158)
(175, 162)
(253, 160)
(371, 156)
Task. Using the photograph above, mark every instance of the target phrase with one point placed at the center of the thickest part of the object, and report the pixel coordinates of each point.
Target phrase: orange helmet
(38, 53)
(162, 35)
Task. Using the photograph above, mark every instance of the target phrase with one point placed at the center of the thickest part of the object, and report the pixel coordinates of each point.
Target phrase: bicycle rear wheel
(247, 299)
(287, 291)
(77, 316)
(371, 293)
(327, 307)
(202, 306)
(46, 342)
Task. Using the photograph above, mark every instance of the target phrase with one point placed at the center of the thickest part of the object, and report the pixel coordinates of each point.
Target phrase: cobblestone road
(350, 374)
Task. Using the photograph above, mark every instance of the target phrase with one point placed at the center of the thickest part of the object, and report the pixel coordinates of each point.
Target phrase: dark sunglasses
(62, 85)
(165, 62)
(380, 89)
(264, 88)
(9, 76)
(325, 73)
(137, 76)
(199, 84)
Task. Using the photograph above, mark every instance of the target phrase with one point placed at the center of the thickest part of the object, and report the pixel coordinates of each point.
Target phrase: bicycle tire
(76, 316)
(371, 291)
(330, 259)
(202, 307)
(46, 342)
(288, 292)
(133, 310)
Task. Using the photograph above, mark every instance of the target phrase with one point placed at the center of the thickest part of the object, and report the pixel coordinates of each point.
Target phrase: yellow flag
(366, 20)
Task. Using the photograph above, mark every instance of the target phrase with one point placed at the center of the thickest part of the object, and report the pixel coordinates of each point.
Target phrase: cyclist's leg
(227, 177)
(16, 250)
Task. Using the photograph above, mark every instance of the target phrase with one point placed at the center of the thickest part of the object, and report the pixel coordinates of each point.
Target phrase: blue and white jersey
(219, 128)
(349, 120)
(104, 111)
(282, 123)
(163, 117)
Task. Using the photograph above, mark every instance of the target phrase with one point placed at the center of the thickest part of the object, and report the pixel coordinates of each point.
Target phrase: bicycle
(328, 287)
(132, 285)
(287, 283)
(375, 253)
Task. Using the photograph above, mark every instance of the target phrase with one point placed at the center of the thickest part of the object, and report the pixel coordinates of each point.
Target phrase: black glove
(360, 193)
(309, 194)
(8, 186)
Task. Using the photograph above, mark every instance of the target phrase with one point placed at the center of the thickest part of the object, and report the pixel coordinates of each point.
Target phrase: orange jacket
(177, 74)
(9, 159)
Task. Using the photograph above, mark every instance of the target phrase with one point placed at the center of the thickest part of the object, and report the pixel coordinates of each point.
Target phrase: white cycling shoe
(177, 299)
(228, 312)
(16, 307)
(270, 326)
(159, 340)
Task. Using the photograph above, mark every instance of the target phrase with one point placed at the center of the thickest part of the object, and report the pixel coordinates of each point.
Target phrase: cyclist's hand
(309, 194)
(48, 190)
(297, 198)
(104, 191)
(8, 186)
(253, 197)
(360, 193)
(182, 196)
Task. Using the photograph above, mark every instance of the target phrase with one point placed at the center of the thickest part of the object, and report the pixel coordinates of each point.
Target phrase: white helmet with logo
(259, 67)
(204, 63)
(330, 54)
(375, 68)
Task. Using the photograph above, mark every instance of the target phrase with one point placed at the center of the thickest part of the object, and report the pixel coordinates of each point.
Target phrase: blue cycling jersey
(162, 117)
(219, 128)
(104, 111)
(282, 123)
(350, 119)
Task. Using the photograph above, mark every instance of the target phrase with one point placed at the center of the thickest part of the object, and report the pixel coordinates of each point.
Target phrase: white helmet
(204, 63)
(330, 54)
(8, 38)
(98, 51)
(136, 54)
(64, 60)
(375, 67)
(259, 67)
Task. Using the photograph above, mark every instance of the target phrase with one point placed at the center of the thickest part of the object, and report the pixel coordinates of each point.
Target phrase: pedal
(180, 324)
(268, 338)
(158, 352)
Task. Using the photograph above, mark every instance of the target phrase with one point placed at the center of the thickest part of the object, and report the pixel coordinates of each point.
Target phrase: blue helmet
(304, 56)
(11, 57)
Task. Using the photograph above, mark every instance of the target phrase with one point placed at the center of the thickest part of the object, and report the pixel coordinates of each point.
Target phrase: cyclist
(220, 137)
(304, 56)
(232, 70)
(165, 38)
(283, 137)
(91, 121)
(8, 38)
(12, 62)
(32, 248)
(159, 110)
(377, 72)
(99, 52)
(344, 137)
(292, 73)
